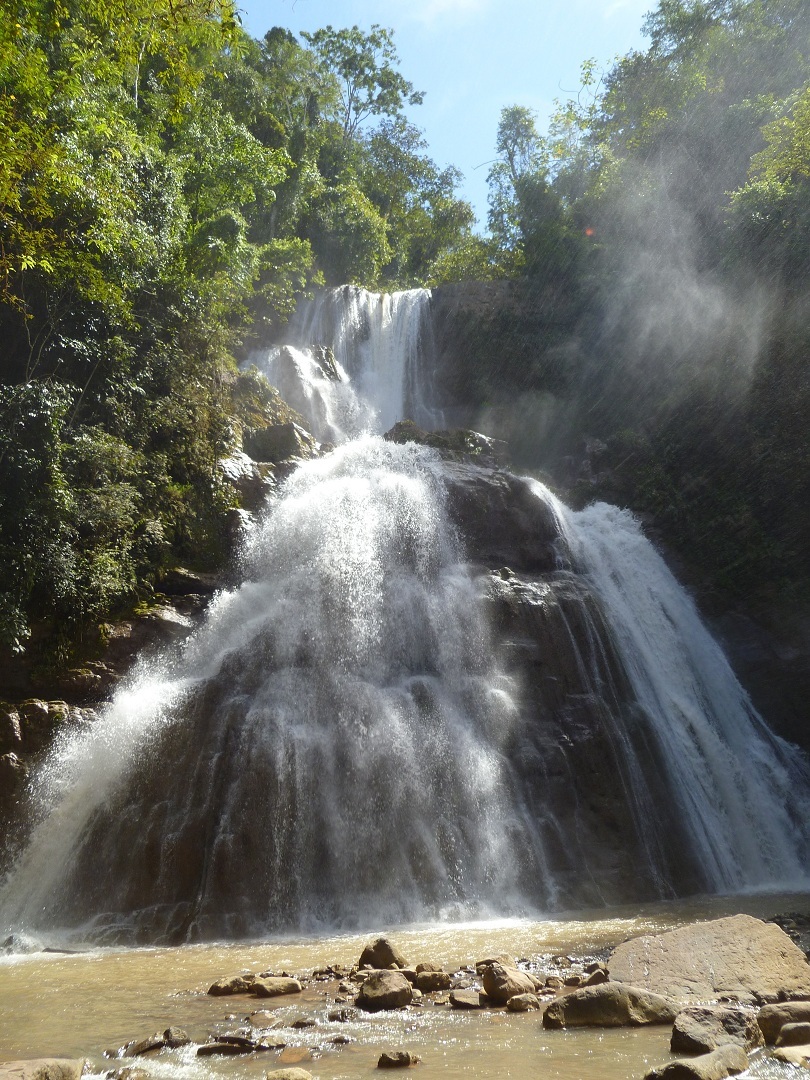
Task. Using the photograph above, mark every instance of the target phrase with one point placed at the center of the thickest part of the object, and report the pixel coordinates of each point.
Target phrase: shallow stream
(86, 1003)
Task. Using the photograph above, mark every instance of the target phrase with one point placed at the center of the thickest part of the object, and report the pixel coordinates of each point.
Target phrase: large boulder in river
(611, 1004)
(382, 954)
(700, 1029)
(384, 990)
(739, 957)
(502, 983)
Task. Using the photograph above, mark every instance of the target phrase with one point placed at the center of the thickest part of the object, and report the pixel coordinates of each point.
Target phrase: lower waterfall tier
(412, 708)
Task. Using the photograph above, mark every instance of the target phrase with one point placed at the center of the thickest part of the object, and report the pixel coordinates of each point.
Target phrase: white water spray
(742, 792)
(382, 347)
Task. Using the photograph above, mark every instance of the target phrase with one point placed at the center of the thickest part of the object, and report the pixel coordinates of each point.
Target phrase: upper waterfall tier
(355, 362)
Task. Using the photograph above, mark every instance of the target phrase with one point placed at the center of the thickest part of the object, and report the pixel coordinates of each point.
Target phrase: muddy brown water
(84, 1004)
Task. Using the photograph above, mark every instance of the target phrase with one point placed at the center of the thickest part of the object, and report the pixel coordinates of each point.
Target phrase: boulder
(232, 984)
(151, 1044)
(738, 957)
(382, 954)
(728, 1060)
(794, 1055)
(611, 1004)
(702, 1028)
(275, 987)
(42, 1069)
(522, 1003)
(279, 442)
(175, 1037)
(400, 1059)
(772, 1018)
(384, 990)
(253, 481)
(428, 981)
(594, 978)
(222, 1047)
(499, 958)
(288, 1074)
(460, 444)
(466, 999)
(502, 983)
(794, 1035)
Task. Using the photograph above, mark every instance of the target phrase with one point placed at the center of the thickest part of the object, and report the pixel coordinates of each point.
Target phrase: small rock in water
(288, 1074)
(700, 1029)
(522, 1003)
(466, 999)
(262, 1019)
(501, 958)
(232, 984)
(729, 1060)
(175, 1037)
(772, 1018)
(430, 981)
(143, 1046)
(293, 1054)
(342, 1016)
(794, 1035)
(594, 978)
(502, 983)
(400, 1059)
(275, 987)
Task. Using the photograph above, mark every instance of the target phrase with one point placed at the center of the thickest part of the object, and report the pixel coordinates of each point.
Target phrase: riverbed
(94, 1001)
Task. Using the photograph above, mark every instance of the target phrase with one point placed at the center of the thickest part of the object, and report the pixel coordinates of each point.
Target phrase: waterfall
(384, 723)
(742, 793)
(378, 368)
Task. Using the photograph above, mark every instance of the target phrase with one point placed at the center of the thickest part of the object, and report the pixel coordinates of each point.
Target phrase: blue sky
(474, 57)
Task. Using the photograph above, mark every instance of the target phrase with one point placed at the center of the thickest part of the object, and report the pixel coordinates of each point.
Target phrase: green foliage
(349, 236)
(168, 188)
(365, 66)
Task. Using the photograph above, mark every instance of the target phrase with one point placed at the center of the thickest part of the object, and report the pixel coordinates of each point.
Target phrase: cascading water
(385, 723)
(356, 362)
(742, 792)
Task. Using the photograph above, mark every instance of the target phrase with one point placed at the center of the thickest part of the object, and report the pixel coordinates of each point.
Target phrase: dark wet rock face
(571, 742)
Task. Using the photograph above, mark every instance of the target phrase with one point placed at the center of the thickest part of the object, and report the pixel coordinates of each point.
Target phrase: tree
(365, 66)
